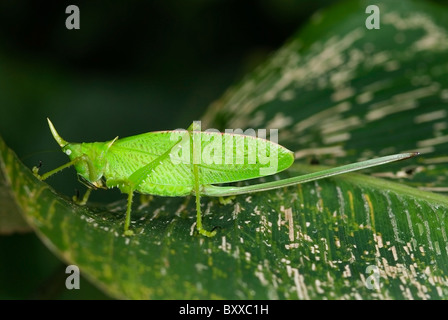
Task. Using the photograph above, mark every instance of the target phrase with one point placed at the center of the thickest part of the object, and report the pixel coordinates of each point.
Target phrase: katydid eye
(68, 152)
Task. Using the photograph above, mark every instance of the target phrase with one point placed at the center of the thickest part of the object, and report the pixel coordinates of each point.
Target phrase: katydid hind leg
(199, 226)
(127, 221)
(195, 150)
(197, 192)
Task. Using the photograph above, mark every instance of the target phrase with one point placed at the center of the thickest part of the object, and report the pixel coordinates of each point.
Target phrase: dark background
(134, 66)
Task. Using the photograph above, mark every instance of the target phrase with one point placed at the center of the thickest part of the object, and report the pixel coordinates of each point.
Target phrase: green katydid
(184, 162)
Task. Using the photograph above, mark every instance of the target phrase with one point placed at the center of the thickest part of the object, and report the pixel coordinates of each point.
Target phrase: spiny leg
(126, 186)
(127, 222)
(195, 157)
(45, 176)
(197, 192)
(52, 172)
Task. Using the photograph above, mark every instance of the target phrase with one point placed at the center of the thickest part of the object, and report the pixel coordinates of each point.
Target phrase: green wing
(233, 157)
(128, 155)
(224, 158)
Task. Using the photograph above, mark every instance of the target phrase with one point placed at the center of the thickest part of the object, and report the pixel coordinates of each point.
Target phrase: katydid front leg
(45, 176)
(52, 172)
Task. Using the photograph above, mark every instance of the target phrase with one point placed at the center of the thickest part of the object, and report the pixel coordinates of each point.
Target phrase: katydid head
(89, 159)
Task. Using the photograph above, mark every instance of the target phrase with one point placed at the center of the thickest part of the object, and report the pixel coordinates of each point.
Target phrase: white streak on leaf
(430, 116)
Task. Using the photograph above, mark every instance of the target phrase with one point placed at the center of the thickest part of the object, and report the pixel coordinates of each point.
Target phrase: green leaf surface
(11, 220)
(315, 243)
(337, 92)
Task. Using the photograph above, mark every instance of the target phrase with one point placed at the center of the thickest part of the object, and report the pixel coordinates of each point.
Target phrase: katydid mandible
(149, 163)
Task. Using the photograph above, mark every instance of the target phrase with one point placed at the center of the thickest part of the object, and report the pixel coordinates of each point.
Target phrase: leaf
(317, 242)
(11, 220)
(337, 92)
